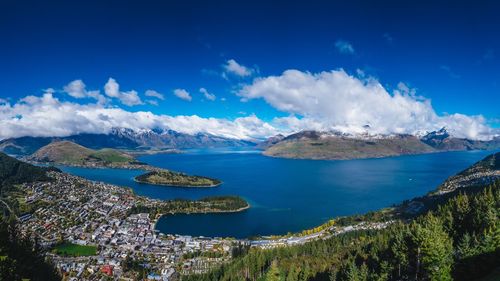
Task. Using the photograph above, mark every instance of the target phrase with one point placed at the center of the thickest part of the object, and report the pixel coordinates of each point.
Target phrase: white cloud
(330, 100)
(112, 88)
(77, 89)
(235, 68)
(48, 116)
(182, 94)
(129, 98)
(155, 94)
(344, 47)
(335, 100)
(207, 95)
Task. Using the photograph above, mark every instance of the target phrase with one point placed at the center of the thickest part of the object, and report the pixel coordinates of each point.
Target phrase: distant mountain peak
(440, 134)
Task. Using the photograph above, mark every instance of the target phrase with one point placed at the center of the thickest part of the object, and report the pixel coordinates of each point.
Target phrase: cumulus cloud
(155, 94)
(47, 116)
(233, 67)
(330, 100)
(344, 47)
(77, 89)
(207, 95)
(335, 100)
(182, 94)
(129, 98)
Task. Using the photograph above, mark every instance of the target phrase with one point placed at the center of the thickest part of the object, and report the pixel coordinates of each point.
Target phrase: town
(94, 214)
(72, 212)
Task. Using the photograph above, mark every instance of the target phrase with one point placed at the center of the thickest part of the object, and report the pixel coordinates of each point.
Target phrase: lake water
(287, 195)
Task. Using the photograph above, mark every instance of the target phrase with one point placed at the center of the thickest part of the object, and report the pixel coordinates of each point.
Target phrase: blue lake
(287, 195)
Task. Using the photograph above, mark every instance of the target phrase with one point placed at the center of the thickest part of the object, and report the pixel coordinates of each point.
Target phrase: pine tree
(273, 274)
(465, 247)
(434, 249)
(399, 248)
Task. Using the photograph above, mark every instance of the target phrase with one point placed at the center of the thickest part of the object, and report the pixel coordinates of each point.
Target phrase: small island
(72, 154)
(165, 177)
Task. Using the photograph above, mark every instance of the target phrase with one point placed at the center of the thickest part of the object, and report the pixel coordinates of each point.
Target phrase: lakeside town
(74, 212)
(87, 213)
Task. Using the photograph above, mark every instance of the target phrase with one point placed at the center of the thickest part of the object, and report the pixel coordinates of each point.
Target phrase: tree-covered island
(165, 177)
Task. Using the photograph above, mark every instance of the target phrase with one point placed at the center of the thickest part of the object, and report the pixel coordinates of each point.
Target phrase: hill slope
(13, 171)
(19, 258)
(317, 145)
(337, 146)
(69, 153)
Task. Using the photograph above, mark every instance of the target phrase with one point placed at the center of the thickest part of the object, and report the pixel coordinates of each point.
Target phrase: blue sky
(446, 51)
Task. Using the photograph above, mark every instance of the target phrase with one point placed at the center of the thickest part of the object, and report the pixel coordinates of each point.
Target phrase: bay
(287, 195)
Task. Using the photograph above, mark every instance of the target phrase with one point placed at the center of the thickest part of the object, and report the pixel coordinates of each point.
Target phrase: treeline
(226, 203)
(459, 240)
(208, 204)
(166, 177)
(22, 258)
(13, 171)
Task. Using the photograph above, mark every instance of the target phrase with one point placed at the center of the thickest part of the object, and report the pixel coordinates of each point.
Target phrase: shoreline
(156, 220)
(373, 157)
(145, 168)
(173, 185)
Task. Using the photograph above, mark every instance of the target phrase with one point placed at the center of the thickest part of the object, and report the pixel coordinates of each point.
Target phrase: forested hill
(13, 171)
(20, 258)
(459, 239)
(482, 172)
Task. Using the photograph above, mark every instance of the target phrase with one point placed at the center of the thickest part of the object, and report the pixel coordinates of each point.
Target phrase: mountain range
(338, 146)
(123, 138)
(304, 145)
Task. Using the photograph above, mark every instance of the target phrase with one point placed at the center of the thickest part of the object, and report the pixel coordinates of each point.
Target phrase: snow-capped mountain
(124, 138)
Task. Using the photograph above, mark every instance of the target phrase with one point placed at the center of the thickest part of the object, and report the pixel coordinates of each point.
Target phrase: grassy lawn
(70, 249)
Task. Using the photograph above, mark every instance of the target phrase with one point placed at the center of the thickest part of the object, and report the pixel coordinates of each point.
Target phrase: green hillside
(13, 171)
(19, 257)
(112, 156)
(69, 153)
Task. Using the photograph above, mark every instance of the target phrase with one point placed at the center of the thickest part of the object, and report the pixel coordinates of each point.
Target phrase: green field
(70, 249)
(112, 156)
